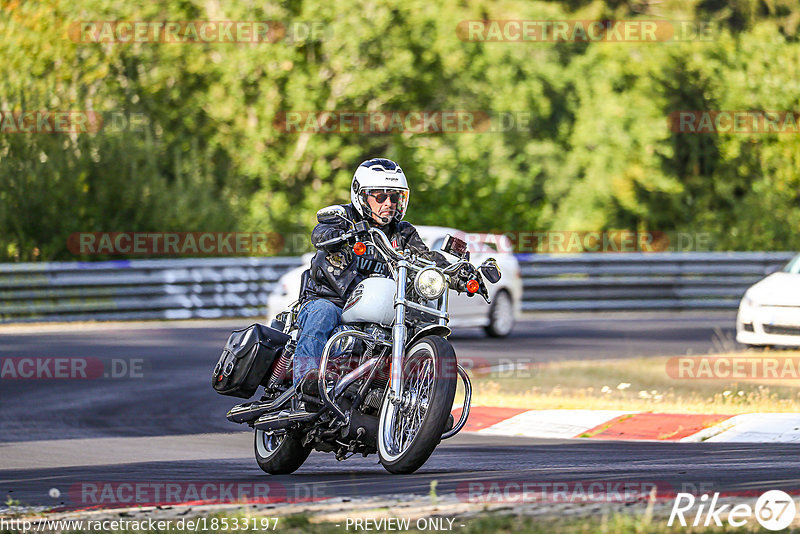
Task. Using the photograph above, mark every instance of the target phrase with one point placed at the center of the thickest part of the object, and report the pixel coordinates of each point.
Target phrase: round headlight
(430, 283)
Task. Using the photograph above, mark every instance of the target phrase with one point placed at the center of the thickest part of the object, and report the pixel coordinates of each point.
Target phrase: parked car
(769, 313)
(497, 318)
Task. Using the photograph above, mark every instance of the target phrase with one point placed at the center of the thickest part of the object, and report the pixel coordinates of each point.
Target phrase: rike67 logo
(774, 510)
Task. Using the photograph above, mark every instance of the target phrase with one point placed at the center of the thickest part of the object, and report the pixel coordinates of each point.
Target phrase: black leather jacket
(335, 270)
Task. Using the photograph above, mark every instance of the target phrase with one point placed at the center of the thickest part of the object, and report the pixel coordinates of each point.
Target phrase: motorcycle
(387, 376)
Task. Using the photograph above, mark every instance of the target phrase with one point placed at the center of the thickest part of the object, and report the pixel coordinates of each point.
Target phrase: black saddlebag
(246, 359)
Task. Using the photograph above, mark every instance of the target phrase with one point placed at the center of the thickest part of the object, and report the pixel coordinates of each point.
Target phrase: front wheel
(409, 431)
(279, 454)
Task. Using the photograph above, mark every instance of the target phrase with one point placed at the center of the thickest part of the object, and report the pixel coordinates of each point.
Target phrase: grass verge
(638, 384)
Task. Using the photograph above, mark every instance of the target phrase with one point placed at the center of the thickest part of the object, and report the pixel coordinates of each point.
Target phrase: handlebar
(361, 231)
(384, 245)
(379, 237)
(336, 240)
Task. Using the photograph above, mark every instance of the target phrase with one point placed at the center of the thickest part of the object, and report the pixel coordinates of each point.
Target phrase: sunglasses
(380, 198)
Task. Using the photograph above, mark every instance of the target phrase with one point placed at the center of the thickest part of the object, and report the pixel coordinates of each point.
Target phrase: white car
(769, 313)
(496, 318)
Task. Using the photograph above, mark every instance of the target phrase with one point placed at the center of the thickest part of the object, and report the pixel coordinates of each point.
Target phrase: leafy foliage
(596, 154)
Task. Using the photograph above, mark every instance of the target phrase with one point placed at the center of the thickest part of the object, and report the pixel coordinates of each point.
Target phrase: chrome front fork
(444, 305)
(399, 334)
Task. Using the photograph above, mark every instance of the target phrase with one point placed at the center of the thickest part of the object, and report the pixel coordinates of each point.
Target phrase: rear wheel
(279, 454)
(501, 315)
(409, 431)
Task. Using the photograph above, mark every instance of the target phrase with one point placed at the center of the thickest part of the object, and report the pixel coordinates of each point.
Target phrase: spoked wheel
(410, 430)
(279, 454)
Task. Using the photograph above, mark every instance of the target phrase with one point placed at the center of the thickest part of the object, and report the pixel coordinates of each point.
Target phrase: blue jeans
(317, 319)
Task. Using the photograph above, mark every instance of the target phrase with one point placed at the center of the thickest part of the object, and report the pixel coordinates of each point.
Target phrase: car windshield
(793, 266)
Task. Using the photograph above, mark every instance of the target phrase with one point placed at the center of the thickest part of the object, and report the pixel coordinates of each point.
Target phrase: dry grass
(638, 384)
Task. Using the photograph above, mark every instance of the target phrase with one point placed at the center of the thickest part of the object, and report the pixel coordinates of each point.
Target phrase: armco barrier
(238, 287)
(637, 281)
(138, 289)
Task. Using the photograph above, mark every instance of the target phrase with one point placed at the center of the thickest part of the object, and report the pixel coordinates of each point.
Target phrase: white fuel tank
(372, 301)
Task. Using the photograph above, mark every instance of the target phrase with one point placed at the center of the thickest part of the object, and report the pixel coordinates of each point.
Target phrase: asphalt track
(165, 424)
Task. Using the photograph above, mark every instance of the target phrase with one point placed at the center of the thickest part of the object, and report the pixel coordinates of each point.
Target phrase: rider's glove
(325, 232)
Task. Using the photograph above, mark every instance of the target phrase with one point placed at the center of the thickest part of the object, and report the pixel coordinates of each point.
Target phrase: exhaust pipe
(244, 413)
(279, 421)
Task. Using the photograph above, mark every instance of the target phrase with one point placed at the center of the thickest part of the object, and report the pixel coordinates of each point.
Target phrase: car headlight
(430, 283)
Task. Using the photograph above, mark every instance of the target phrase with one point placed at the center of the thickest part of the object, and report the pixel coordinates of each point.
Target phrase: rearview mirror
(456, 247)
(331, 214)
(490, 270)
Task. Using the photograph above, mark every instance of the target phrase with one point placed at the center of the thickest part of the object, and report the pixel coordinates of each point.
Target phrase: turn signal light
(359, 248)
(473, 286)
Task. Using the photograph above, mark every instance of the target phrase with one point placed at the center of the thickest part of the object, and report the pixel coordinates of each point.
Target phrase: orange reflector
(359, 248)
(473, 286)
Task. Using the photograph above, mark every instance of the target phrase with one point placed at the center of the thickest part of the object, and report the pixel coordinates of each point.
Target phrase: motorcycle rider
(379, 195)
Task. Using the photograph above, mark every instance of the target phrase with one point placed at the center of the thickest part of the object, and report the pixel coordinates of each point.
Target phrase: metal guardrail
(138, 289)
(637, 281)
(239, 287)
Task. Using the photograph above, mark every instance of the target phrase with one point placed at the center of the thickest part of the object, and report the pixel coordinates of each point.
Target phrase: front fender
(432, 330)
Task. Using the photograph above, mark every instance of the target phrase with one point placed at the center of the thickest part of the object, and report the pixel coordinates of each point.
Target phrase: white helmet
(382, 175)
